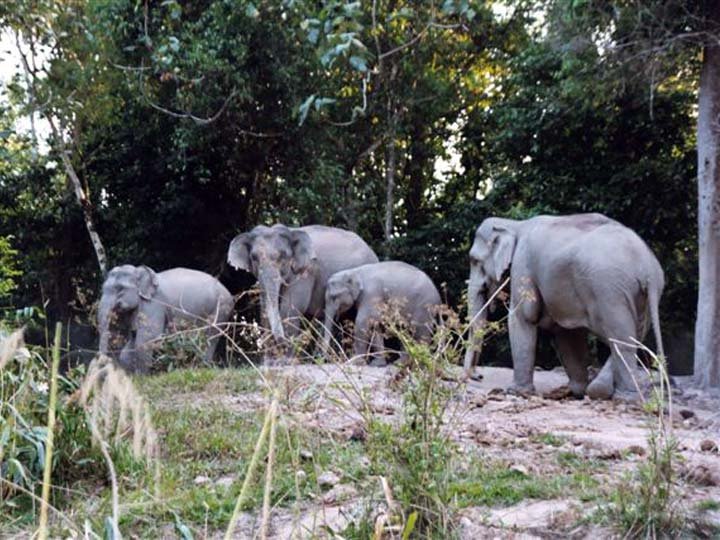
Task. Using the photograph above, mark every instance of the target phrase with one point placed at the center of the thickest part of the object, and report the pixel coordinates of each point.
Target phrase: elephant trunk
(103, 316)
(270, 282)
(478, 318)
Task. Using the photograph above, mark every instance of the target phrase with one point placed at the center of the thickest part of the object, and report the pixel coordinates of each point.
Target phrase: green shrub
(24, 393)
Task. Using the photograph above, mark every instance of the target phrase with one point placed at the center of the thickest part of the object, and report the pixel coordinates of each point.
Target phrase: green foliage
(24, 388)
(417, 455)
(206, 444)
(189, 112)
(646, 503)
(9, 271)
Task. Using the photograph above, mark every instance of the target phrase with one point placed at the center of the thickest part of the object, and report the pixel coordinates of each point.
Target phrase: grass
(203, 441)
(493, 483)
(548, 439)
(201, 380)
(708, 505)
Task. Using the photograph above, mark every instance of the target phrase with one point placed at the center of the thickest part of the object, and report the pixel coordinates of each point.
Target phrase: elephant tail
(654, 300)
(654, 289)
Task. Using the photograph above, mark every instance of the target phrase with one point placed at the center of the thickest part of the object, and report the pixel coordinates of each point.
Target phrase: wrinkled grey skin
(293, 266)
(570, 275)
(138, 306)
(370, 289)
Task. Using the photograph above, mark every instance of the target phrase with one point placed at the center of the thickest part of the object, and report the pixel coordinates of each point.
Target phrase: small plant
(417, 456)
(645, 505)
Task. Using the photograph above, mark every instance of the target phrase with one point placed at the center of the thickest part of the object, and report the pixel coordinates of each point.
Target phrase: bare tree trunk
(390, 170)
(707, 327)
(81, 197)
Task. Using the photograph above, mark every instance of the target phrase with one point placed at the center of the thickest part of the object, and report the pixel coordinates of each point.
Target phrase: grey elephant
(293, 266)
(570, 275)
(372, 289)
(138, 306)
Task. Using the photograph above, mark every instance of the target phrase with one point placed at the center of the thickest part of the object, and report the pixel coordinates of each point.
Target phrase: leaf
(251, 11)
(313, 35)
(409, 525)
(305, 108)
(358, 63)
(183, 529)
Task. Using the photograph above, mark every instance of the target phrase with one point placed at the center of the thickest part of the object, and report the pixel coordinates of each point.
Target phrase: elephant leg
(523, 344)
(572, 347)
(377, 350)
(620, 371)
(126, 358)
(365, 322)
(216, 330)
(294, 305)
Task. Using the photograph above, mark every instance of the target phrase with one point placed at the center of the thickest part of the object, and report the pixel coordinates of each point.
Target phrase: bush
(24, 401)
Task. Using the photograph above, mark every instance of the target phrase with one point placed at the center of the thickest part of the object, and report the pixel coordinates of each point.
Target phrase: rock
(534, 515)
(339, 493)
(609, 454)
(201, 479)
(358, 434)
(702, 475)
(686, 413)
(709, 446)
(637, 450)
(306, 455)
(520, 469)
(300, 476)
(225, 481)
(328, 479)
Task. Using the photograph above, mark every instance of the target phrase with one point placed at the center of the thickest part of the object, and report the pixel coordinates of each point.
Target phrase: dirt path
(526, 434)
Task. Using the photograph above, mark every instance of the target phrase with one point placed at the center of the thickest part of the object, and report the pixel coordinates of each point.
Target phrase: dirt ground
(525, 433)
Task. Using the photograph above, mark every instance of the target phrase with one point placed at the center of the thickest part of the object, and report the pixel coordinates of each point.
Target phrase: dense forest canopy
(177, 124)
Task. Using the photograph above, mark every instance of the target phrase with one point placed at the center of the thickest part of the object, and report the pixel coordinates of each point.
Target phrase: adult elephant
(138, 306)
(293, 266)
(373, 289)
(570, 275)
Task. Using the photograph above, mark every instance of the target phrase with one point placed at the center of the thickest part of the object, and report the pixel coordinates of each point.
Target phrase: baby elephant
(138, 306)
(371, 289)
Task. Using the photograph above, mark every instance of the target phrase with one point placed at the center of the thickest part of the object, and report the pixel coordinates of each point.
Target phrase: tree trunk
(707, 328)
(390, 170)
(81, 197)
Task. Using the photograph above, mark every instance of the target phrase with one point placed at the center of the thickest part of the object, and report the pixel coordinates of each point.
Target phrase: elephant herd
(569, 275)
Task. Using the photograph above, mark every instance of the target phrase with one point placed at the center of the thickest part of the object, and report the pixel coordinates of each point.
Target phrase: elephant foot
(378, 362)
(577, 389)
(278, 361)
(600, 389)
(522, 390)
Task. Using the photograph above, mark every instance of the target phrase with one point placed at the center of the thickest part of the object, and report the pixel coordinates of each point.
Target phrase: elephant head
(276, 255)
(124, 289)
(490, 257)
(342, 293)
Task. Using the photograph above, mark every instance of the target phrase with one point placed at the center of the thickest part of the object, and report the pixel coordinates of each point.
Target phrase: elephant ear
(239, 252)
(354, 285)
(303, 251)
(502, 244)
(147, 282)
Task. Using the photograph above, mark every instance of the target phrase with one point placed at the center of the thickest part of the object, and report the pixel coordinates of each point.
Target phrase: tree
(656, 42)
(61, 77)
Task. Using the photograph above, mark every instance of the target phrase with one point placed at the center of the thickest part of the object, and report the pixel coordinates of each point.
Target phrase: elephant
(570, 275)
(138, 306)
(371, 289)
(293, 266)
